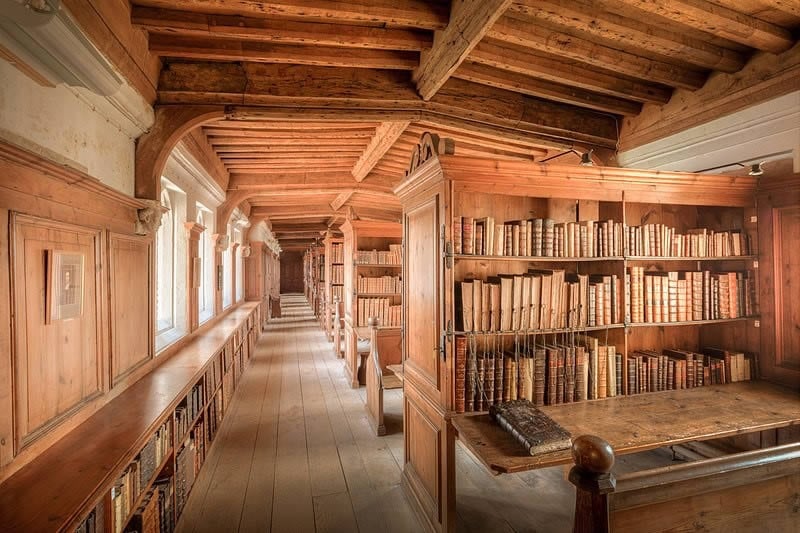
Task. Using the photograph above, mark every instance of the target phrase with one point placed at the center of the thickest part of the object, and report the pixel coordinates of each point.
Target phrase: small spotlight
(756, 170)
(586, 159)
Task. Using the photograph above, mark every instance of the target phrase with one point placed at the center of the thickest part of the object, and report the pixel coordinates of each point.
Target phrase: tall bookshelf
(447, 353)
(308, 282)
(373, 275)
(150, 492)
(334, 278)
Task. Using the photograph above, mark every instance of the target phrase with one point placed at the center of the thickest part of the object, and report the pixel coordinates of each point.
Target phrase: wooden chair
(748, 491)
(378, 380)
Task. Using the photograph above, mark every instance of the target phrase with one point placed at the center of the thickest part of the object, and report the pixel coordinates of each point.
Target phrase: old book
(499, 383)
(537, 432)
(538, 375)
(499, 239)
(461, 374)
(466, 305)
(480, 375)
(457, 230)
(469, 397)
(516, 303)
(506, 302)
(477, 305)
(488, 380)
(494, 303)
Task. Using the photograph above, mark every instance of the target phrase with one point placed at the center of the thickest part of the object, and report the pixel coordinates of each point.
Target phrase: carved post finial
(593, 480)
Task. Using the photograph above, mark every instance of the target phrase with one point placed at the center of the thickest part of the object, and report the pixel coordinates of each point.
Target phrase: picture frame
(65, 283)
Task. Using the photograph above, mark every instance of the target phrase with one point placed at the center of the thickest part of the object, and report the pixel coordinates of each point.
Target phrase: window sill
(205, 315)
(165, 339)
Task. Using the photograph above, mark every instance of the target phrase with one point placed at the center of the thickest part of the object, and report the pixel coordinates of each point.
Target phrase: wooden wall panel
(6, 398)
(58, 366)
(131, 319)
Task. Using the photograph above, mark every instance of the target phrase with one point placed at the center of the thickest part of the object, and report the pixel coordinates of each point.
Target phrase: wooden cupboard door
(429, 440)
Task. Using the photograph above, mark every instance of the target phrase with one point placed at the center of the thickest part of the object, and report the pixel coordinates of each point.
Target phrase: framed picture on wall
(65, 271)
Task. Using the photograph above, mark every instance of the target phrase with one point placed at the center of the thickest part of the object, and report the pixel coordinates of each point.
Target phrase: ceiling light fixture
(586, 157)
(756, 169)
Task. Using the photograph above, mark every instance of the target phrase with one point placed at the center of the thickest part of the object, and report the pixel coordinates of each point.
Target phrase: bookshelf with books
(136, 476)
(372, 277)
(334, 277)
(535, 281)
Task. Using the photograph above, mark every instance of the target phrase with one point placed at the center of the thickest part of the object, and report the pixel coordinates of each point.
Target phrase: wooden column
(593, 481)
(193, 273)
(254, 272)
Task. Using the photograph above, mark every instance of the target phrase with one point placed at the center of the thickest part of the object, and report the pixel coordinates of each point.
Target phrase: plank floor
(295, 453)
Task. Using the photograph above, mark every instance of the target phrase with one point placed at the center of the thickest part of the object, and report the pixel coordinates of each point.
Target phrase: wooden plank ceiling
(327, 98)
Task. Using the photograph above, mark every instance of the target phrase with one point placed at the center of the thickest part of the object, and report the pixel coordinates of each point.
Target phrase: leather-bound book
(461, 374)
(535, 431)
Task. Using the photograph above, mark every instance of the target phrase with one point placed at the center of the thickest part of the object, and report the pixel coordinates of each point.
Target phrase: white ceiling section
(765, 132)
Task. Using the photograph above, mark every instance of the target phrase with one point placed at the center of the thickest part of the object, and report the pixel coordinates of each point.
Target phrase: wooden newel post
(373, 322)
(593, 480)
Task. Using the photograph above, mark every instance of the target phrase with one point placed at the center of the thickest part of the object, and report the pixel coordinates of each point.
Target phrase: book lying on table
(537, 432)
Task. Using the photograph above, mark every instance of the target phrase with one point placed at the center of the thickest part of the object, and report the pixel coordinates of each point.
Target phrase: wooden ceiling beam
(290, 163)
(232, 138)
(532, 35)
(299, 179)
(270, 156)
(187, 23)
(721, 21)
(338, 133)
(488, 141)
(294, 126)
(210, 48)
(405, 13)
(582, 17)
(522, 83)
(355, 89)
(225, 150)
(469, 22)
(519, 59)
(385, 136)
(341, 199)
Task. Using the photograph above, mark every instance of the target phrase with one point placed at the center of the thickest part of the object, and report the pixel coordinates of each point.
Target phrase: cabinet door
(429, 442)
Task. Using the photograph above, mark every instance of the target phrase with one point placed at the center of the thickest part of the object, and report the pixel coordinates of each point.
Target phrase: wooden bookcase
(316, 285)
(334, 278)
(134, 462)
(366, 252)
(441, 188)
(308, 283)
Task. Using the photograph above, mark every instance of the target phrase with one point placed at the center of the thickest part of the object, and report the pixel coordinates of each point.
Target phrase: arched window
(239, 266)
(165, 267)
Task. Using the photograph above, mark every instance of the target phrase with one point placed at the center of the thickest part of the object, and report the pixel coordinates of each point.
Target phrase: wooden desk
(641, 422)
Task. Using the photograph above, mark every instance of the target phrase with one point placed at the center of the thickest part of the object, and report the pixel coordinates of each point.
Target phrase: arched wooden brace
(153, 148)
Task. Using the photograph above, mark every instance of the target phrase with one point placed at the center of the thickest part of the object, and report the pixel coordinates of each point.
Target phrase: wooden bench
(379, 377)
(749, 491)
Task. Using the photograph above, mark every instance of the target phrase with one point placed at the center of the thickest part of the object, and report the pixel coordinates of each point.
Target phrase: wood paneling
(787, 274)
(58, 366)
(131, 318)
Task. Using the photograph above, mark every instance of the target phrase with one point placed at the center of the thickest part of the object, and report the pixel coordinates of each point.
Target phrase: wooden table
(640, 422)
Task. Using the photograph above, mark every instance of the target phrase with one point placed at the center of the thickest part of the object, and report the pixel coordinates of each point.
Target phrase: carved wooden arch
(429, 145)
(172, 122)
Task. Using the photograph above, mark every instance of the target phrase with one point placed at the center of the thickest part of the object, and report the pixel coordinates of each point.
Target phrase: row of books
(188, 410)
(337, 274)
(537, 300)
(537, 237)
(94, 521)
(185, 473)
(394, 256)
(664, 241)
(380, 284)
(337, 253)
(586, 369)
(388, 315)
(213, 376)
(678, 296)
(138, 475)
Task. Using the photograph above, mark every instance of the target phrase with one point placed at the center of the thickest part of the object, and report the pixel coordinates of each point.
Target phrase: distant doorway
(291, 272)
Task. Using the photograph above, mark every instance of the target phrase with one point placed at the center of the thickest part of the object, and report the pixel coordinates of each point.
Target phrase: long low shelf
(81, 467)
(581, 329)
(550, 259)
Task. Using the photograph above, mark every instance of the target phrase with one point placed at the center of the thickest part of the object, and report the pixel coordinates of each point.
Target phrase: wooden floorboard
(296, 453)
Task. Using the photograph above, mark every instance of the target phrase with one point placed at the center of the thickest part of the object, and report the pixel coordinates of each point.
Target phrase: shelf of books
(307, 278)
(334, 276)
(559, 284)
(372, 285)
(151, 491)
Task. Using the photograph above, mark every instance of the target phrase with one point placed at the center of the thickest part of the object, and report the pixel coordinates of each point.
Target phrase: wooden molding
(385, 136)
(429, 147)
(193, 230)
(469, 22)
